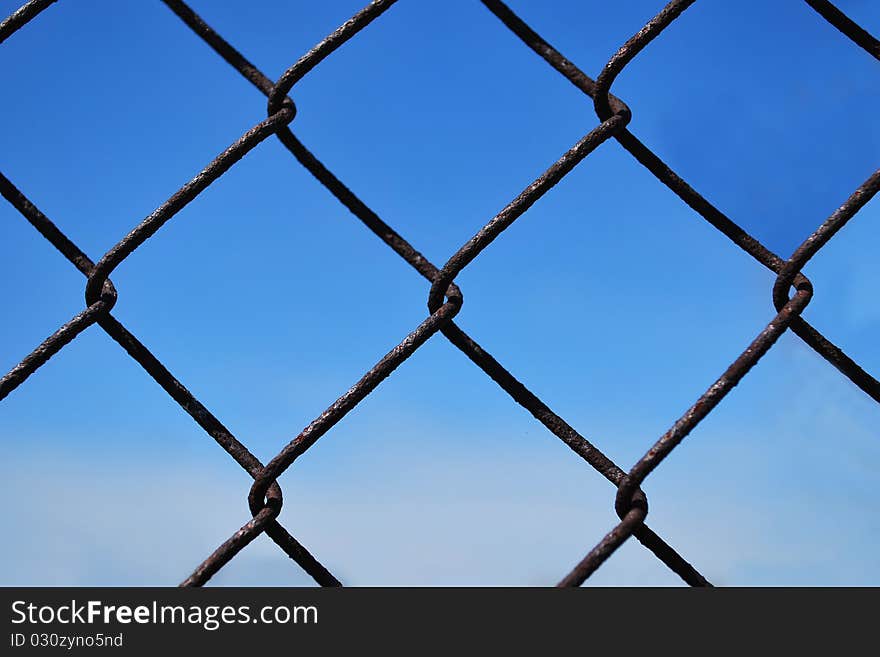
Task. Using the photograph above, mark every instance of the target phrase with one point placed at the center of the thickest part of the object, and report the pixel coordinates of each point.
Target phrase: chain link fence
(791, 292)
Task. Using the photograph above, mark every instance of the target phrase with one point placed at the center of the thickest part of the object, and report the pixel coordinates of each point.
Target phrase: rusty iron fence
(791, 292)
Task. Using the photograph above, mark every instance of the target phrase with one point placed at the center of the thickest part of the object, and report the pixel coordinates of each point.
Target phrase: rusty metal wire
(445, 299)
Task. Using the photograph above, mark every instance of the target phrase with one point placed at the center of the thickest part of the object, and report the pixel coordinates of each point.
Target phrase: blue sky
(268, 299)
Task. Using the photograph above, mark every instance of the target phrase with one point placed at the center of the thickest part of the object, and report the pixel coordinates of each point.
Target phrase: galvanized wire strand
(803, 329)
(445, 298)
(848, 26)
(789, 309)
(459, 338)
(176, 390)
(21, 17)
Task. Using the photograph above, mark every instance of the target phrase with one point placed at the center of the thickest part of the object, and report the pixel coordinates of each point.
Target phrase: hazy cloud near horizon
(515, 512)
(610, 298)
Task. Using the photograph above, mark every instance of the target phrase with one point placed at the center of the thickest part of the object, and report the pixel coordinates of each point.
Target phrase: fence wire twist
(791, 292)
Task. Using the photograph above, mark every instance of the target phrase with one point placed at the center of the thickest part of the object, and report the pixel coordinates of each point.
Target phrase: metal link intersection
(791, 292)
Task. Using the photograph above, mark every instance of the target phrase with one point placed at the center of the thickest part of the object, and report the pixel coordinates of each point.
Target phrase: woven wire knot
(792, 291)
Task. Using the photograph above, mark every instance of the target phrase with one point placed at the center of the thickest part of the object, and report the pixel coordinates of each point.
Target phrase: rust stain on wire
(791, 292)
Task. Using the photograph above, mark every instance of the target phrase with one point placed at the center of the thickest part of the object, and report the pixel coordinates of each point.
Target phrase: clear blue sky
(268, 299)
